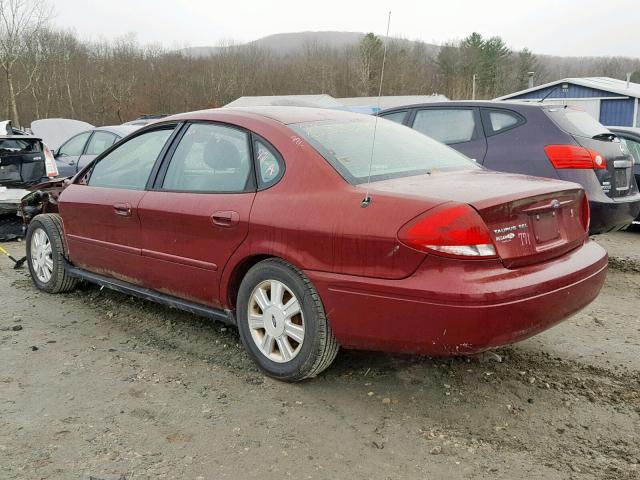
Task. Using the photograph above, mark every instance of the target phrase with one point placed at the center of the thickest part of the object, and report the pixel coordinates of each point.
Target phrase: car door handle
(225, 218)
(122, 209)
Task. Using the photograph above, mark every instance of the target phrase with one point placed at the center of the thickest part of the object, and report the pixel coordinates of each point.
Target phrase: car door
(100, 210)
(197, 214)
(458, 127)
(98, 143)
(69, 153)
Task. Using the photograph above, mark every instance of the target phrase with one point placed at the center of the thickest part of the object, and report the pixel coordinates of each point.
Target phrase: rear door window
(99, 142)
(397, 117)
(128, 166)
(210, 158)
(447, 125)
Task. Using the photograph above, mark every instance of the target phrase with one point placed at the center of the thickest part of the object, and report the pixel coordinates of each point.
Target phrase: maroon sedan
(265, 218)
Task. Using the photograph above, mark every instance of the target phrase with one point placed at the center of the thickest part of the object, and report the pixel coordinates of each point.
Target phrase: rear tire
(282, 322)
(45, 255)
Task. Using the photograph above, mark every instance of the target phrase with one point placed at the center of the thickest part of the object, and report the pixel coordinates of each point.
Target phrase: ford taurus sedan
(285, 222)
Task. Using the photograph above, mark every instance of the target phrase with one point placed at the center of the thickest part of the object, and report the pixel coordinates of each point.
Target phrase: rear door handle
(122, 209)
(225, 218)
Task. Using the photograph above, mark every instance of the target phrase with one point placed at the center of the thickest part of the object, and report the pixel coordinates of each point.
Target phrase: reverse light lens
(575, 157)
(456, 231)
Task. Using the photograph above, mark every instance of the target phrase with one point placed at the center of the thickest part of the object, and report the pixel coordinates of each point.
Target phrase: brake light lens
(573, 156)
(50, 163)
(451, 231)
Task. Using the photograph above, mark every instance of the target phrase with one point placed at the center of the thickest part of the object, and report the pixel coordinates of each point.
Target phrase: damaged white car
(27, 160)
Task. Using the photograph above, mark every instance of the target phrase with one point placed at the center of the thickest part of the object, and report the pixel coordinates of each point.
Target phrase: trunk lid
(530, 219)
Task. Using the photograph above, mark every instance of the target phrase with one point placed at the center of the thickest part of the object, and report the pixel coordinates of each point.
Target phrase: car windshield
(399, 151)
(576, 122)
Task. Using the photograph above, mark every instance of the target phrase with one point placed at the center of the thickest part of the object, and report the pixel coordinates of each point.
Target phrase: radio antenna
(367, 198)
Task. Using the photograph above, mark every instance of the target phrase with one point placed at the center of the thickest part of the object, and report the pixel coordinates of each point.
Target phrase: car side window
(74, 146)
(447, 125)
(497, 121)
(634, 148)
(100, 142)
(128, 166)
(397, 117)
(210, 158)
(269, 164)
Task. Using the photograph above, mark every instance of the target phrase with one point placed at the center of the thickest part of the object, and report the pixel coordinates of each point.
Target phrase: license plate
(545, 227)
(622, 179)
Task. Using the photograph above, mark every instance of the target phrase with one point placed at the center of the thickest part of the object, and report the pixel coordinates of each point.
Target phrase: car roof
(120, 130)
(514, 105)
(282, 114)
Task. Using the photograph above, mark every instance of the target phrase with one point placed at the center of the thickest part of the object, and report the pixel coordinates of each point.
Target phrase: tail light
(452, 231)
(573, 156)
(50, 163)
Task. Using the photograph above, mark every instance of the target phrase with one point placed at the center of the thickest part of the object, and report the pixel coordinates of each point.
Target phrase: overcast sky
(559, 27)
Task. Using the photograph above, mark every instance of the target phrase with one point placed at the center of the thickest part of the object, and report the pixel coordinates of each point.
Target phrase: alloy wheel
(276, 321)
(41, 256)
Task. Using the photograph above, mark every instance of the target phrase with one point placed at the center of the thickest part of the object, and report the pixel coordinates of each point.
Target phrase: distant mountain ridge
(294, 42)
(291, 43)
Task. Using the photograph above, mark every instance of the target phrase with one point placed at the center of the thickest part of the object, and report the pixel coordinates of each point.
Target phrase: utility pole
(473, 88)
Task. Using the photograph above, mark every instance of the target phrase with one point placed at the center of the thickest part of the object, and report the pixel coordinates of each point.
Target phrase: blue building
(609, 100)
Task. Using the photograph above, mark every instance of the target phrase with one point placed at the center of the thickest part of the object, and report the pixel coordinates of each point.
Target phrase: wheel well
(238, 274)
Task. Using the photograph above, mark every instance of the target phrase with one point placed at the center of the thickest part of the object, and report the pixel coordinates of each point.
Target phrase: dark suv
(537, 139)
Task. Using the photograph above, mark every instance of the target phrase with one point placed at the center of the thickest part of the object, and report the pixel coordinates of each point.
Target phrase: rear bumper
(612, 215)
(453, 307)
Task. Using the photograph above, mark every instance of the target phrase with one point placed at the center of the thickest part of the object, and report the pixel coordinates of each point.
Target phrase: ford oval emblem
(555, 203)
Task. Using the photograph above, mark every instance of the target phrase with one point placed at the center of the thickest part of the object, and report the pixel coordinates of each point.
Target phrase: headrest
(222, 155)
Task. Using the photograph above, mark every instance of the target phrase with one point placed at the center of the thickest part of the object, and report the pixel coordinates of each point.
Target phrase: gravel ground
(95, 384)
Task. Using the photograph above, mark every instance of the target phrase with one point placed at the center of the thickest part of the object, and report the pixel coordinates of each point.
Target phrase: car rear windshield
(18, 145)
(399, 151)
(576, 122)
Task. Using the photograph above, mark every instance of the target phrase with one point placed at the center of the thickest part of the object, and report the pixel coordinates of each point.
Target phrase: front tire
(45, 255)
(282, 322)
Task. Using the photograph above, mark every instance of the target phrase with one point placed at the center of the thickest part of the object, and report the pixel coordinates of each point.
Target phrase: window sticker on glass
(268, 163)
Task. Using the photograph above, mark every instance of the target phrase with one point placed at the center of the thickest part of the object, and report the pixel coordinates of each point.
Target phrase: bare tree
(20, 22)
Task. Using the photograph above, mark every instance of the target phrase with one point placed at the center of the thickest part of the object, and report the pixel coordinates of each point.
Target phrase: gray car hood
(55, 131)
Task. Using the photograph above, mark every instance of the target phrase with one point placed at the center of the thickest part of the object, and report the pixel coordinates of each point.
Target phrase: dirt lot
(95, 384)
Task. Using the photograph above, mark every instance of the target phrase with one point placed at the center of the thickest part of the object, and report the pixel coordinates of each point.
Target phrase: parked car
(537, 139)
(79, 150)
(630, 137)
(264, 217)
